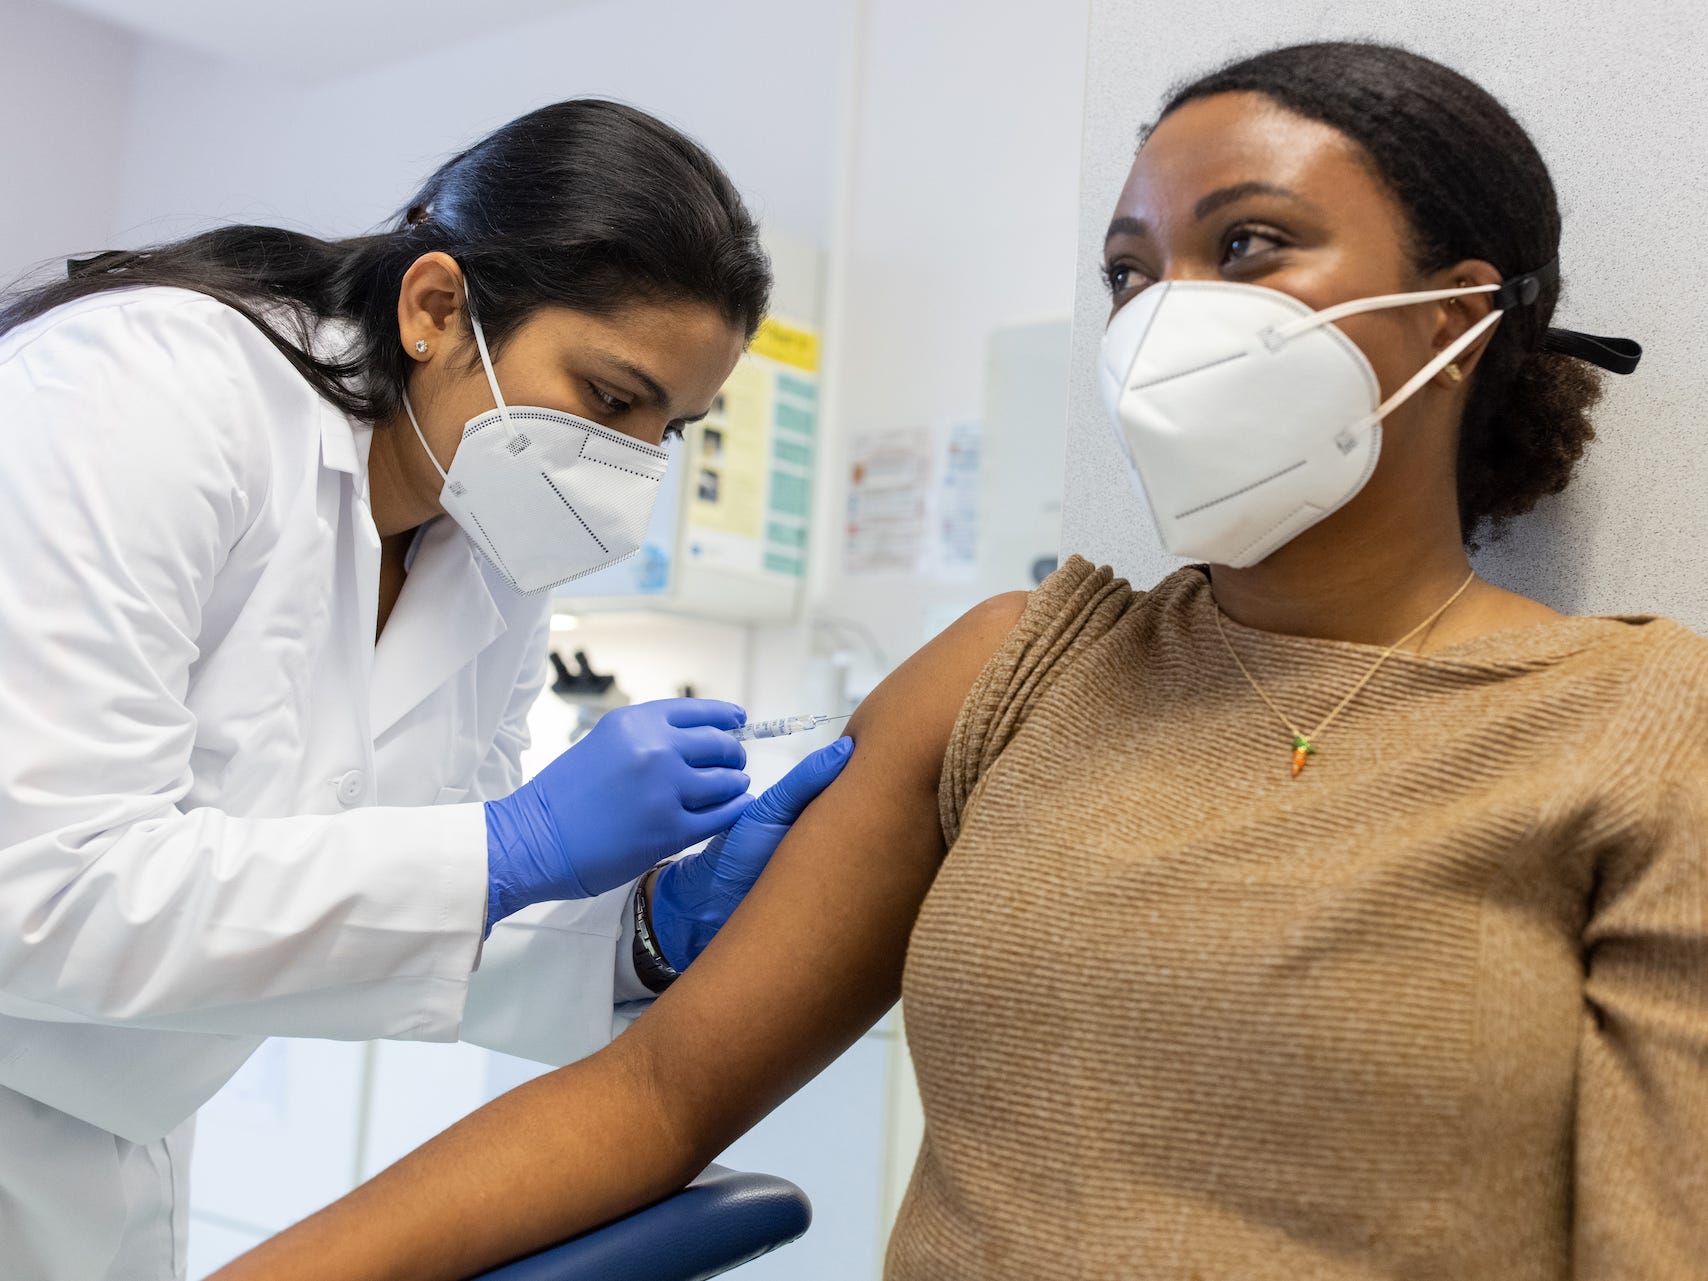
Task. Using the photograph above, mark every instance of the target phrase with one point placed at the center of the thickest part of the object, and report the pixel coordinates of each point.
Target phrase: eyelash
(606, 399)
(1109, 272)
(615, 406)
(1240, 231)
(1246, 231)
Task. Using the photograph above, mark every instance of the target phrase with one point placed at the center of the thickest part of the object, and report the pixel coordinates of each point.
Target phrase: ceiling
(315, 39)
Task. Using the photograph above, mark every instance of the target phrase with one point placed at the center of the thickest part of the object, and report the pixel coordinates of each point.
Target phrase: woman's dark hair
(585, 204)
(1472, 185)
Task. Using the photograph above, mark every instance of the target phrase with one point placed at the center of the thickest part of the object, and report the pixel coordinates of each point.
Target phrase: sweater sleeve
(1074, 607)
(1642, 1100)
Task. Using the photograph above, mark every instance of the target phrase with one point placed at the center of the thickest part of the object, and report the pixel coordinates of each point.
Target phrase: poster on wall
(749, 477)
(913, 502)
(955, 501)
(889, 491)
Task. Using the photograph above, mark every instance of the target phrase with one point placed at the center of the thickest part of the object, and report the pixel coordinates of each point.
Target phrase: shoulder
(1654, 747)
(956, 699)
(1669, 680)
(165, 370)
(168, 343)
(123, 321)
(1013, 651)
(166, 411)
(1077, 604)
(1077, 610)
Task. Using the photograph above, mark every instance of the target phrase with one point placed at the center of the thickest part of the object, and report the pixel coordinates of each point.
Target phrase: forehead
(689, 348)
(681, 326)
(1233, 138)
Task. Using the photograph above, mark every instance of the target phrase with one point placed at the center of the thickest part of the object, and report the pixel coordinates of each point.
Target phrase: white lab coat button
(350, 786)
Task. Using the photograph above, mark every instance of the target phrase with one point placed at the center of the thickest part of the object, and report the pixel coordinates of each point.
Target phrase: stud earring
(1455, 373)
(421, 345)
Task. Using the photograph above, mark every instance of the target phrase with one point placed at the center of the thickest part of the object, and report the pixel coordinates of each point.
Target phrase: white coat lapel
(443, 619)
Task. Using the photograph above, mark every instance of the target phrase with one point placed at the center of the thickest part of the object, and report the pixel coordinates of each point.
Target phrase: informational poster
(955, 501)
(749, 477)
(913, 502)
(889, 496)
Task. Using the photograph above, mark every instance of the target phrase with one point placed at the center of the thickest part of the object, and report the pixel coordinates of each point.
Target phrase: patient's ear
(1455, 316)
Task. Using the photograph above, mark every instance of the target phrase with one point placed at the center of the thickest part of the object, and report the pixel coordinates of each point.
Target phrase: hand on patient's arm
(808, 962)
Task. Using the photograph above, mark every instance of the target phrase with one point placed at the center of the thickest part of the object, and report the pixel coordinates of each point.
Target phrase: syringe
(782, 726)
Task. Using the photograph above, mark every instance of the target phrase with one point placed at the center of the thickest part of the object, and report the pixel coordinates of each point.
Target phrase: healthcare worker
(280, 519)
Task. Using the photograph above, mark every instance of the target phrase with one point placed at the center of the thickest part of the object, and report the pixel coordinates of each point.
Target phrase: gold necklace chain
(1304, 744)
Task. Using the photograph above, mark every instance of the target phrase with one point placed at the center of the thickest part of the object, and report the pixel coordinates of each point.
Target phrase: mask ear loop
(491, 381)
(1277, 336)
(410, 410)
(1447, 356)
(486, 364)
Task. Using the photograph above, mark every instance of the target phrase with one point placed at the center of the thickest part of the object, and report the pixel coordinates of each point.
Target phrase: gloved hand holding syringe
(782, 726)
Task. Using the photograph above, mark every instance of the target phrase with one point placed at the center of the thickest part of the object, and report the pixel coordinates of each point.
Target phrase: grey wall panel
(1613, 95)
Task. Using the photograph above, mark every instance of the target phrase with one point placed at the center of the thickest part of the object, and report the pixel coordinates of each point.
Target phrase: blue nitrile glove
(647, 781)
(694, 896)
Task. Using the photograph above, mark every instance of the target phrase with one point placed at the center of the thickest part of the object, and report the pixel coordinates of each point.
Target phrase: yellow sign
(787, 345)
(727, 486)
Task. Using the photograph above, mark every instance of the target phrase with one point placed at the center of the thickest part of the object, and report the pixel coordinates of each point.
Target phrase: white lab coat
(225, 812)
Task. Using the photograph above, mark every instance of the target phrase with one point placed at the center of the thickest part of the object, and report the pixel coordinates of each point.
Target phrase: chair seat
(721, 1220)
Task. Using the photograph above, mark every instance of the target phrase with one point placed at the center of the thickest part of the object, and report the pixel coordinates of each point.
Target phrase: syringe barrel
(778, 727)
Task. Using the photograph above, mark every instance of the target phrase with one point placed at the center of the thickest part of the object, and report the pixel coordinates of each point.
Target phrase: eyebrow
(1239, 191)
(1221, 197)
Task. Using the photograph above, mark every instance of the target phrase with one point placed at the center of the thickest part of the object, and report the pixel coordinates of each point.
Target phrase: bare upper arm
(814, 956)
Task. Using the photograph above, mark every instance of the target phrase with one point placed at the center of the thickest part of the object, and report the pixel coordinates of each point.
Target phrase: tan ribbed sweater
(1436, 1009)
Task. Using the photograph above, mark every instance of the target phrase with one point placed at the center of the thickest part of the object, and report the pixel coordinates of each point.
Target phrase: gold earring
(1455, 373)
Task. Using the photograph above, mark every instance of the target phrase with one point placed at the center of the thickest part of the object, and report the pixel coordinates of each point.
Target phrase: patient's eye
(1122, 278)
(1249, 242)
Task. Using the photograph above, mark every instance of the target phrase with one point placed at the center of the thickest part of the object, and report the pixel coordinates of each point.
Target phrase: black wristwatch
(654, 972)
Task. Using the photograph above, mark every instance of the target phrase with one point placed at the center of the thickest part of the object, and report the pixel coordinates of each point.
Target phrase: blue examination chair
(721, 1220)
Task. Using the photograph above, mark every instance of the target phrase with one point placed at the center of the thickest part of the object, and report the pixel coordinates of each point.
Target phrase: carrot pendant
(1302, 751)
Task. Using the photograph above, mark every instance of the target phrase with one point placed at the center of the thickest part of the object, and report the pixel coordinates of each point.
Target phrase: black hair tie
(95, 263)
(1615, 355)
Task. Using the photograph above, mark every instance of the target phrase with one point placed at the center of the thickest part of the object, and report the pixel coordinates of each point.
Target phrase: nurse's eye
(610, 403)
(1247, 242)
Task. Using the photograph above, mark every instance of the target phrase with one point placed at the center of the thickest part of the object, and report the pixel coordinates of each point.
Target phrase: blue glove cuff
(516, 826)
(681, 930)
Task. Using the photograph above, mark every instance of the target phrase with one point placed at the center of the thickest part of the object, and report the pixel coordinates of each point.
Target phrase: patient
(1329, 912)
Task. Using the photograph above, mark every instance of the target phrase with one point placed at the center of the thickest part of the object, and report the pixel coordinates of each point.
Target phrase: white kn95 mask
(1246, 416)
(545, 496)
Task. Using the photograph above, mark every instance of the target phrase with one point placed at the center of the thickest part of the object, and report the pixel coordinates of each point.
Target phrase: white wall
(1612, 98)
(64, 89)
(957, 214)
(754, 80)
